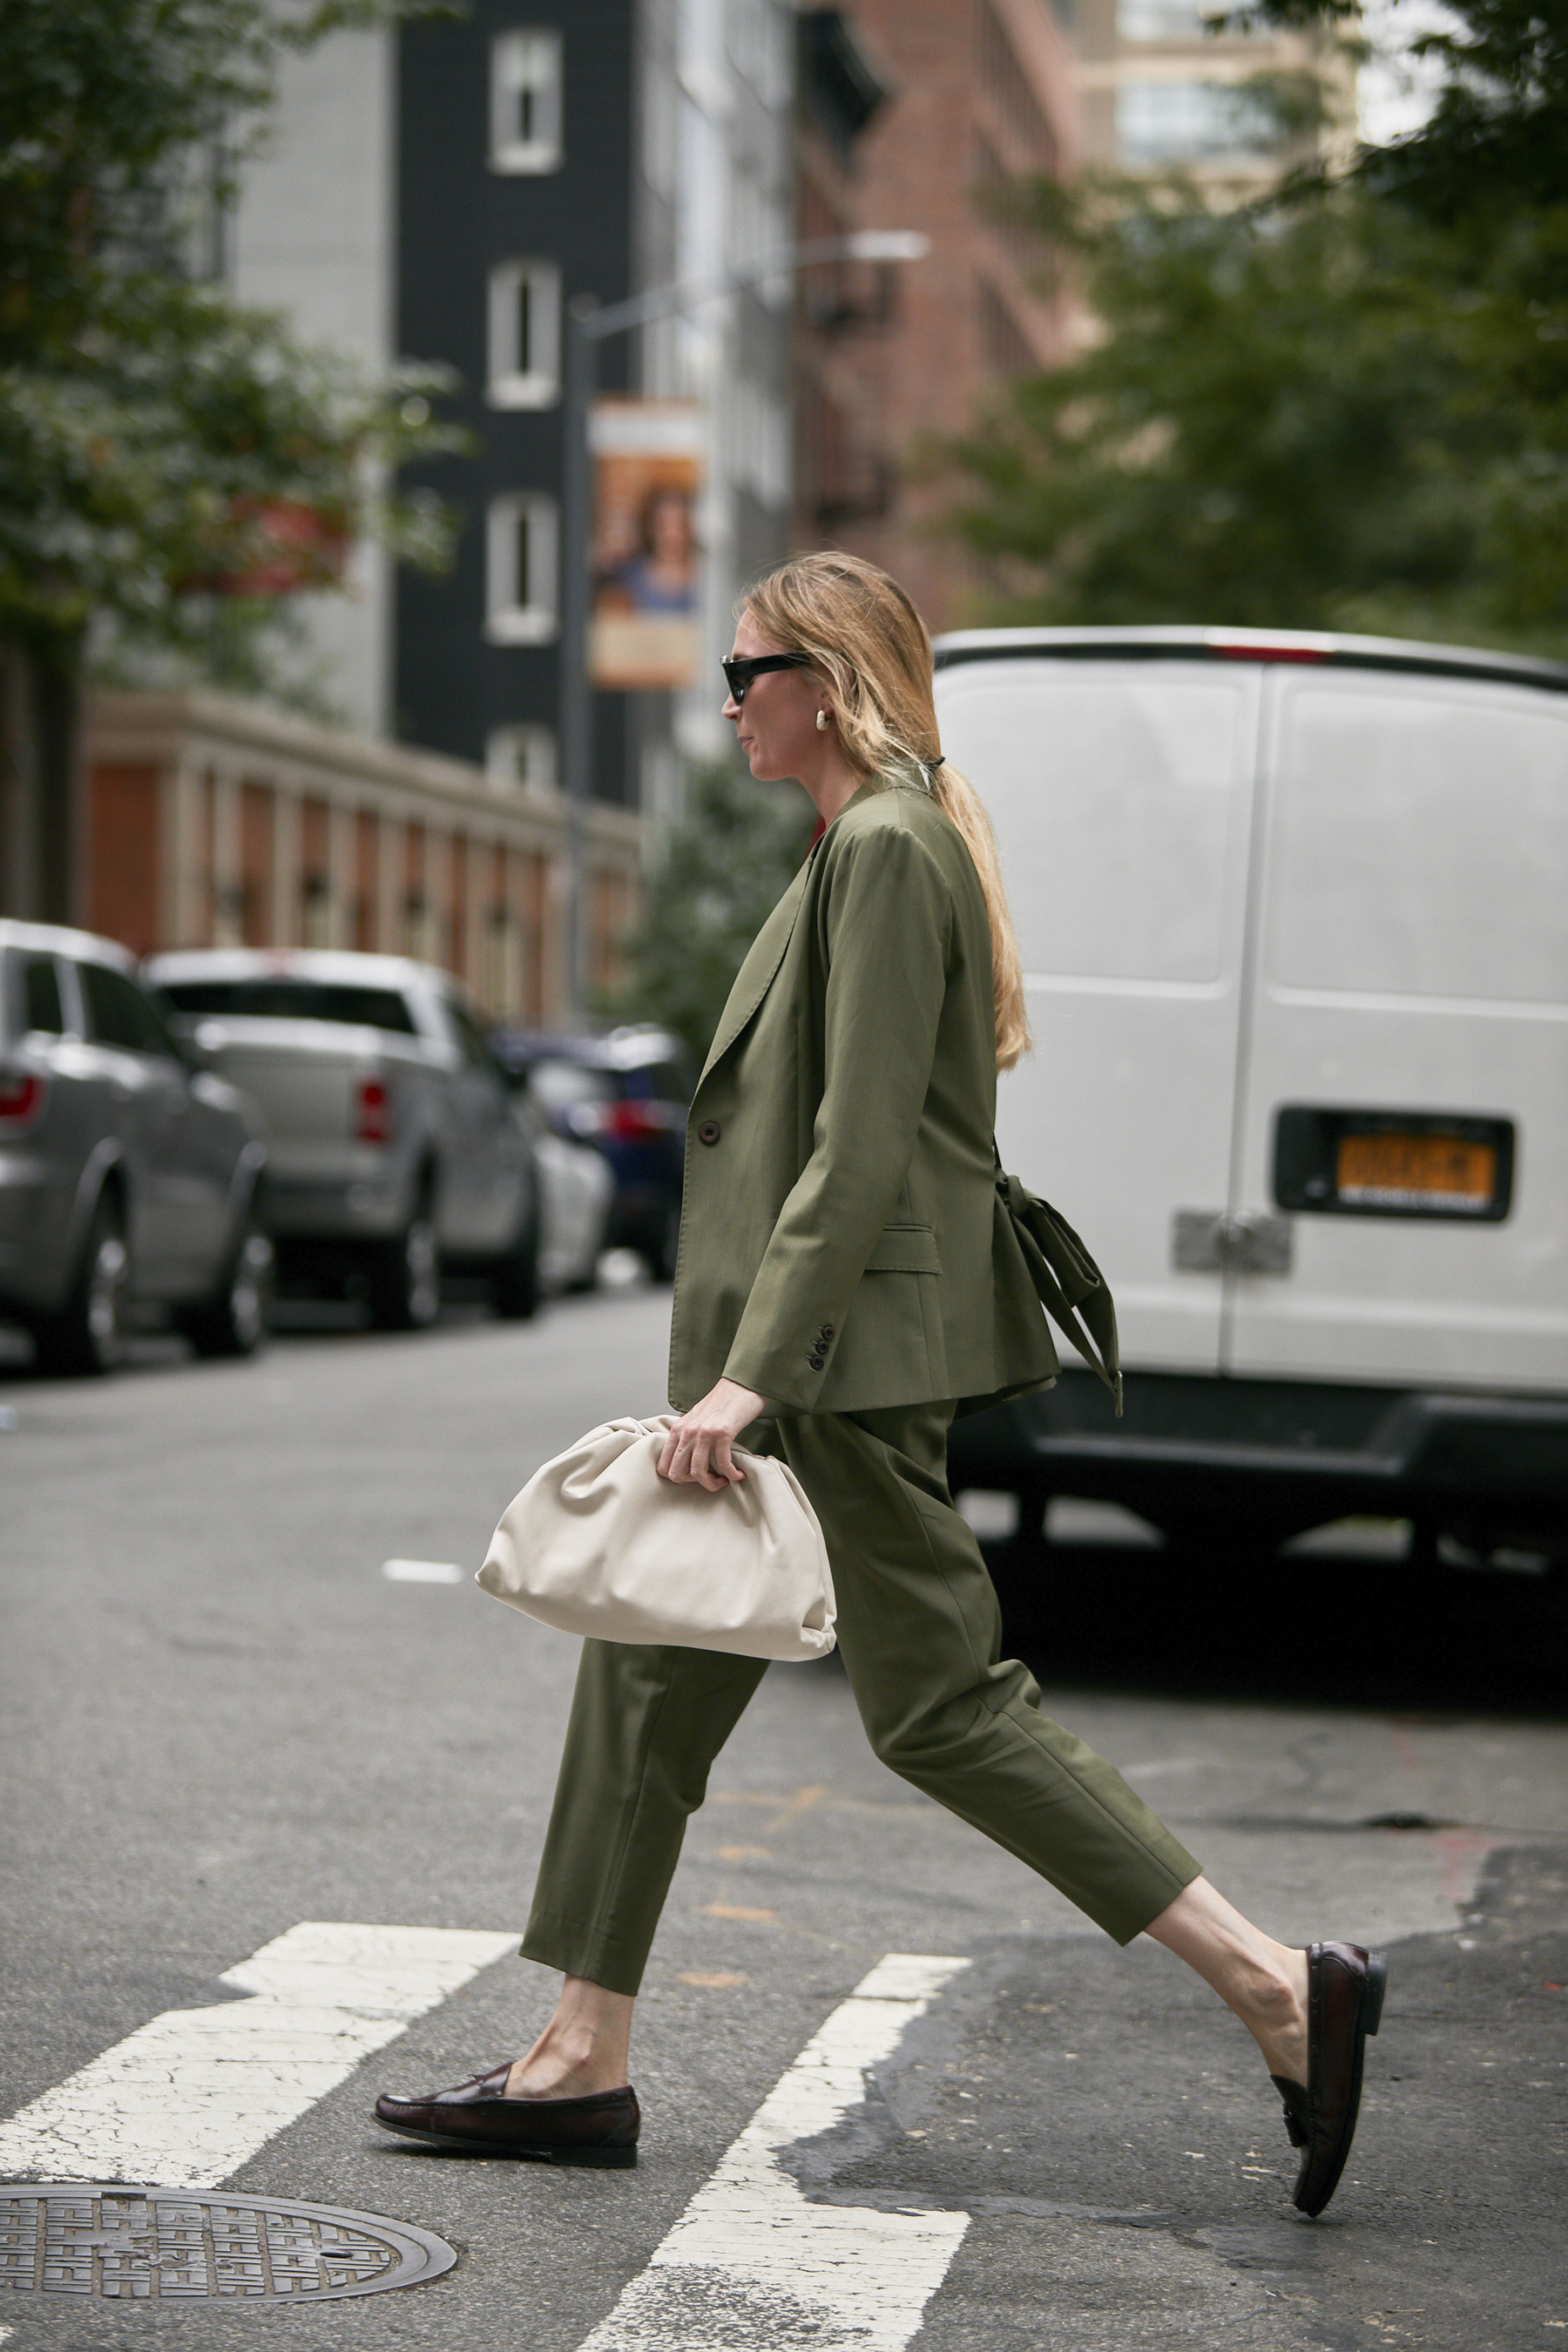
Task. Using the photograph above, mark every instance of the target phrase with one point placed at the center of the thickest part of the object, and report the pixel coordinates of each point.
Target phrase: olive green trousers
(920, 1633)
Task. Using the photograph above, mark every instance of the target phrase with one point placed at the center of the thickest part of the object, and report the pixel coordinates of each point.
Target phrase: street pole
(588, 323)
(577, 726)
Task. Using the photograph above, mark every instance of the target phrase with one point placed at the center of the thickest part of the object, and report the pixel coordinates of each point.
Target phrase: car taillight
(22, 1094)
(373, 1124)
(634, 1122)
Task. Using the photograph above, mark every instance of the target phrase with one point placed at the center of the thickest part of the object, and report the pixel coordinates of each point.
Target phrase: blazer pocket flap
(905, 1249)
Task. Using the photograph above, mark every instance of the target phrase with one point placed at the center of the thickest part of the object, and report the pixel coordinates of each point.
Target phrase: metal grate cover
(113, 2242)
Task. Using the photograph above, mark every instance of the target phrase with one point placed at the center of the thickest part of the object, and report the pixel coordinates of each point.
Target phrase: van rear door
(1404, 1072)
(1121, 790)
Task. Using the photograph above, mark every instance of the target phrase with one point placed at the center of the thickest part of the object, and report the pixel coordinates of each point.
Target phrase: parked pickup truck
(394, 1147)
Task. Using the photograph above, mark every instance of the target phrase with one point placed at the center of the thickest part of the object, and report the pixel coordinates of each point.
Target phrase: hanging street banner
(648, 472)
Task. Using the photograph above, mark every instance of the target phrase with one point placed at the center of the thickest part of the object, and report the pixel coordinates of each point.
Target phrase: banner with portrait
(646, 607)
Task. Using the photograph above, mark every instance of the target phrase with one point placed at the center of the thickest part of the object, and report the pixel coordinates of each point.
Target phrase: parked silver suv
(394, 1142)
(126, 1173)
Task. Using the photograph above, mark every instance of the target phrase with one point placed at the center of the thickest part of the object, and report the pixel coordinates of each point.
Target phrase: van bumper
(1293, 1453)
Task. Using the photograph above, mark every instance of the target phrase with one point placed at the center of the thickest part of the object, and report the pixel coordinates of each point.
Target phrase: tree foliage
(1497, 136)
(158, 445)
(722, 868)
(1345, 406)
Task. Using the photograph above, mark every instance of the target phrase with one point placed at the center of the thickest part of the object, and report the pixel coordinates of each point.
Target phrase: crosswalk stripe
(188, 2098)
(753, 2260)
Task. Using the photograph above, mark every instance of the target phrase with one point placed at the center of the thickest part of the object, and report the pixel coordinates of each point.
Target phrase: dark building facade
(516, 148)
(438, 191)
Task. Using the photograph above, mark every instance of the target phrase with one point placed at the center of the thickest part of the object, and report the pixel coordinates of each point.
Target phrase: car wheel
(514, 1285)
(238, 1316)
(87, 1335)
(405, 1278)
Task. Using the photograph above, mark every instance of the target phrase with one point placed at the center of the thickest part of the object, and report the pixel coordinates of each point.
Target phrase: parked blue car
(628, 1093)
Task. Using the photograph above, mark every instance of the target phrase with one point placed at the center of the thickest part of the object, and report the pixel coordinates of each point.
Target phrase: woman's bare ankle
(583, 2049)
(1265, 1983)
(545, 2076)
(1275, 2014)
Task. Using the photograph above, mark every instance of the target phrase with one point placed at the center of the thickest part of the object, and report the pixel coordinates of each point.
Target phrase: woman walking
(846, 1282)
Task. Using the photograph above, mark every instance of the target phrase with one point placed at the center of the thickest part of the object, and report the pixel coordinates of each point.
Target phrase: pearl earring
(821, 720)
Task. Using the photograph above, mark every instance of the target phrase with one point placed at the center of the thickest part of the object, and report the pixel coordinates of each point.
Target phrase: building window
(1190, 122)
(1002, 75)
(521, 760)
(503, 960)
(525, 335)
(660, 128)
(756, 431)
(316, 928)
(525, 102)
(520, 572)
(1003, 199)
(1165, 20)
(838, 92)
(1005, 348)
(760, 37)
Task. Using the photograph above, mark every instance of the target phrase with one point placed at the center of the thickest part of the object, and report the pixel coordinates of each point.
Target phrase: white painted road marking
(187, 2099)
(751, 2261)
(423, 1572)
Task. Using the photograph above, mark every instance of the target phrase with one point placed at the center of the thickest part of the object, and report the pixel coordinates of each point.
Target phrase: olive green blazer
(843, 1245)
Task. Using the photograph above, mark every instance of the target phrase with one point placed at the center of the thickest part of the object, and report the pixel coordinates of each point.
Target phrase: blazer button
(825, 1332)
(816, 1362)
(708, 1131)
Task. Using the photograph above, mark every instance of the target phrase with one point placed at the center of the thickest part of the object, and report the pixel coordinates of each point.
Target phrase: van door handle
(1252, 1241)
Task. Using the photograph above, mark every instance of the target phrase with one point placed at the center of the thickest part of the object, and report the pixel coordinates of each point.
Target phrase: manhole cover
(168, 2245)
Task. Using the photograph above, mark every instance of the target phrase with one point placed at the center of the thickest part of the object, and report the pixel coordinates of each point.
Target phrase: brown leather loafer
(601, 2128)
(1345, 2002)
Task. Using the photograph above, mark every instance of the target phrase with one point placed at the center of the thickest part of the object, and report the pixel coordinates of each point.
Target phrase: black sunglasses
(740, 669)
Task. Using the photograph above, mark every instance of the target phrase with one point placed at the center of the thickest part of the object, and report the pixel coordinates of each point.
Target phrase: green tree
(1345, 406)
(172, 467)
(721, 870)
(1496, 140)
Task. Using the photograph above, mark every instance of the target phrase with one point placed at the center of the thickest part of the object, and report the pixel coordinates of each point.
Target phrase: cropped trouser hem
(571, 1946)
(919, 1634)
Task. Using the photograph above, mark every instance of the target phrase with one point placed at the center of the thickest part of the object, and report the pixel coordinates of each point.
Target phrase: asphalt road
(220, 1720)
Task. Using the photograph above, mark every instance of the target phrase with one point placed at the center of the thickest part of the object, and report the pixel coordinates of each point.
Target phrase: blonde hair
(872, 649)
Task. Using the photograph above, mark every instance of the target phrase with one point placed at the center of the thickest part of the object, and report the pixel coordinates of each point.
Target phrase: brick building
(211, 823)
(907, 110)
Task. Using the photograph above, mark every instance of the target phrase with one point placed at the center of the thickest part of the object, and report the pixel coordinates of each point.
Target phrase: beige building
(213, 822)
(1156, 88)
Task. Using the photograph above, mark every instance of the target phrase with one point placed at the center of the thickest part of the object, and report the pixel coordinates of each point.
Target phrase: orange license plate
(1415, 1172)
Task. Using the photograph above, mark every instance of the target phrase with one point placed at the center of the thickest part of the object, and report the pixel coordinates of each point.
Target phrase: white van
(1294, 918)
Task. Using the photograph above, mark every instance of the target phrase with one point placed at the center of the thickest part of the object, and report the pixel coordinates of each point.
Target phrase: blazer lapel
(755, 976)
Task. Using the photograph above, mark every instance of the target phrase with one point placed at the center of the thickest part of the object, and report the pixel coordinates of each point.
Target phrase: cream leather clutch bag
(598, 1543)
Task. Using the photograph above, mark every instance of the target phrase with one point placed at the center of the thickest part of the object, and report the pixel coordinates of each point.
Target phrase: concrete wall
(312, 236)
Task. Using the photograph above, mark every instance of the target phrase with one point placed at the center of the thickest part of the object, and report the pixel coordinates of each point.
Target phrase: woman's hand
(697, 1451)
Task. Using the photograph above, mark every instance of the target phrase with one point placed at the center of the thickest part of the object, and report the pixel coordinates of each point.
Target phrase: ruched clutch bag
(597, 1543)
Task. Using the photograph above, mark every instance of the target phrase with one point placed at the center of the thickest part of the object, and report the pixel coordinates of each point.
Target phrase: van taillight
(22, 1095)
(1262, 653)
(375, 1122)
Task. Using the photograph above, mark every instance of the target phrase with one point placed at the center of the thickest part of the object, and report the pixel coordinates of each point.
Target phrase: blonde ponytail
(872, 649)
(957, 798)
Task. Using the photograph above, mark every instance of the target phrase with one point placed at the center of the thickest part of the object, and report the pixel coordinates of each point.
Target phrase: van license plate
(1435, 1172)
